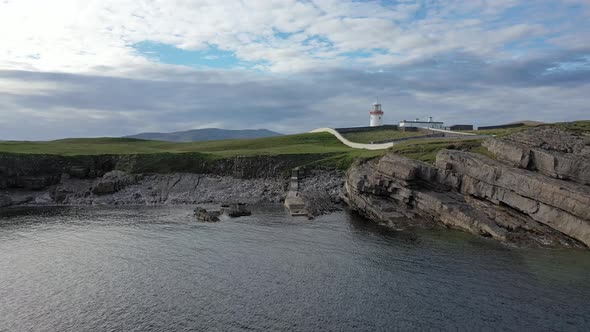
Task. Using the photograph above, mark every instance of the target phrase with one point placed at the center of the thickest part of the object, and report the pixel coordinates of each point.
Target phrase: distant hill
(206, 134)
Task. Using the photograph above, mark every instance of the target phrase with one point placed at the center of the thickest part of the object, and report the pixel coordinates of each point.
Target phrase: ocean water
(156, 269)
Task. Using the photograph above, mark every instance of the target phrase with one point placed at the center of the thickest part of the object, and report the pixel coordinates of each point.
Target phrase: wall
(512, 125)
(368, 128)
(461, 127)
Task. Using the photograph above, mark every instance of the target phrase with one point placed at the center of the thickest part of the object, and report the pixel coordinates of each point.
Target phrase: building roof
(414, 121)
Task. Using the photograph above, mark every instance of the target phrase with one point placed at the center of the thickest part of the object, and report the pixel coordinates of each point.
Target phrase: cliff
(534, 192)
(165, 178)
(38, 171)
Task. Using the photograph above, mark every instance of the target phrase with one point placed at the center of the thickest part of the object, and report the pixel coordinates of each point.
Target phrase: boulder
(5, 200)
(112, 182)
(80, 172)
(235, 210)
(207, 216)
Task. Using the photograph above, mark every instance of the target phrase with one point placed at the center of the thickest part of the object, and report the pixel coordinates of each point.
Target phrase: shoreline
(118, 188)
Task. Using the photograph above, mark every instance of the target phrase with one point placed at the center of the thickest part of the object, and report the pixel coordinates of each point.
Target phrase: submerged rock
(235, 210)
(207, 216)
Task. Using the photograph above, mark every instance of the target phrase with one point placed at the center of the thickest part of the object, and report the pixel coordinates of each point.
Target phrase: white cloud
(91, 35)
(308, 63)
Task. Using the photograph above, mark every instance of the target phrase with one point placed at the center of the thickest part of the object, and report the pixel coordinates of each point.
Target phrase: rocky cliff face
(35, 172)
(555, 153)
(148, 179)
(535, 192)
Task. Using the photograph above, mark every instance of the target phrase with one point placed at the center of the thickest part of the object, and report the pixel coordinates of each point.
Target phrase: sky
(87, 68)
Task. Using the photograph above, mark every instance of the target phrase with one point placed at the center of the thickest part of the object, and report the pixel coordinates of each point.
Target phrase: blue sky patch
(212, 57)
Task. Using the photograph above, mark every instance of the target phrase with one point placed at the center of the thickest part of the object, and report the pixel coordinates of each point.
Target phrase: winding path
(382, 146)
(351, 144)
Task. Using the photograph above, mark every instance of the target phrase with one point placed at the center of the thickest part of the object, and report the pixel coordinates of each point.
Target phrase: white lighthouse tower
(376, 115)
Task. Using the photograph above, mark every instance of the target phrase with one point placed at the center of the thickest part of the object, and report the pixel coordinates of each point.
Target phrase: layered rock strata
(500, 198)
(555, 153)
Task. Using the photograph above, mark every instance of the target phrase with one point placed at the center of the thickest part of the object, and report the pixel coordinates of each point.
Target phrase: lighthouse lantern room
(376, 115)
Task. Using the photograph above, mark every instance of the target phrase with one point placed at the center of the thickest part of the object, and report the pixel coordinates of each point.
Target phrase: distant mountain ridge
(205, 134)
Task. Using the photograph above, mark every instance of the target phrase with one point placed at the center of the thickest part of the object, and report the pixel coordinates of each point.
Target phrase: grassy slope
(580, 127)
(317, 143)
(426, 149)
(292, 144)
(379, 135)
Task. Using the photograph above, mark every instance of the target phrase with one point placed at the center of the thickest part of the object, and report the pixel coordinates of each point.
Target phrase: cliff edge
(531, 188)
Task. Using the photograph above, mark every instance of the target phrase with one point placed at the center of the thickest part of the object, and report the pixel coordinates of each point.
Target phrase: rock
(207, 216)
(474, 193)
(315, 193)
(494, 180)
(112, 182)
(36, 182)
(235, 210)
(79, 172)
(5, 200)
(382, 191)
(550, 151)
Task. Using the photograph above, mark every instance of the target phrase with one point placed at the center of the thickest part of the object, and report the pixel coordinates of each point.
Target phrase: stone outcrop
(206, 215)
(549, 151)
(39, 171)
(113, 181)
(506, 199)
(232, 210)
(120, 188)
(235, 210)
(313, 193)
(5, 200)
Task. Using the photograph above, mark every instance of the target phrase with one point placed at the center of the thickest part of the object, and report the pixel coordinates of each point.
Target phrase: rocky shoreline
(528, 189)
(321, 188)
(531, 189)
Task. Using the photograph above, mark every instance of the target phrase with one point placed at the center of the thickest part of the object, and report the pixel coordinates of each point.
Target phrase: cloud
(455, 89)
(114, 67)
(86, 36)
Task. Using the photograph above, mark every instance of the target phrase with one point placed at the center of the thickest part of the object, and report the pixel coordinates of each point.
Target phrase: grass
(333, 153)
(344, 160)
(291, 144)
(580, 127)
(426, 149)
(498, 132)
(379, 135)
(329, 152)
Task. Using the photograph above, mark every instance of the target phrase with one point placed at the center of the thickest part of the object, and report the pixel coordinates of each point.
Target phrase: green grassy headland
(338, 155)
(292, 144)
(380, 135)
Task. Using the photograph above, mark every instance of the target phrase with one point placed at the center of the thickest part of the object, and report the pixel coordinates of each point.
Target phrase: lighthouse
(376, 115)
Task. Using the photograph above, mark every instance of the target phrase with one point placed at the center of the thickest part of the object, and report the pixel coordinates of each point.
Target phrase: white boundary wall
(450, 132)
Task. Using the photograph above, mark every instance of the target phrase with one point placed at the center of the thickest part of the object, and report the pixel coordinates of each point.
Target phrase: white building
(422, 124)
(376, 115)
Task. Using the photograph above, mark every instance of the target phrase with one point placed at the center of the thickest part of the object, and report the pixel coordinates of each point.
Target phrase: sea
(144, 268)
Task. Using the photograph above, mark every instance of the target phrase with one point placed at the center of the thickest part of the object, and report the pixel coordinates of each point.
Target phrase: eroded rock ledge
(518, 198)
